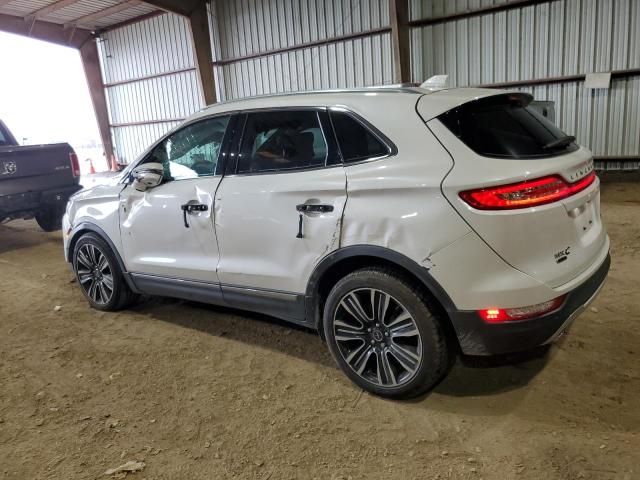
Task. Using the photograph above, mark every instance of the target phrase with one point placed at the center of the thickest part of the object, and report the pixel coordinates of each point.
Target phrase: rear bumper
(31, 202)
(479, 338)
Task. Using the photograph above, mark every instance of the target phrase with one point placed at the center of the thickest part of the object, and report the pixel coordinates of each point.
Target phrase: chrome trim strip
(275, 294)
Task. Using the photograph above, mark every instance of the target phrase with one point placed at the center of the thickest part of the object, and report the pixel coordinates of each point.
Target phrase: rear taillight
(529, 193)
(501, 315)
(75, 165)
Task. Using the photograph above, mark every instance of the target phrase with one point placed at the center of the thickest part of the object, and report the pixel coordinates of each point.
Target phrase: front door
(158, 237)
(278, 210)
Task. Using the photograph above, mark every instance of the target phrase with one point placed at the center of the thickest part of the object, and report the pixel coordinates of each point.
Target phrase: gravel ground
(197, 392)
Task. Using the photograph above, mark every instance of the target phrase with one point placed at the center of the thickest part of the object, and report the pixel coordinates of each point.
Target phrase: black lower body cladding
(479, 338)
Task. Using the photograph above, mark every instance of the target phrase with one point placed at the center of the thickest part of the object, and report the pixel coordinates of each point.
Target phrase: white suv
(405, 225)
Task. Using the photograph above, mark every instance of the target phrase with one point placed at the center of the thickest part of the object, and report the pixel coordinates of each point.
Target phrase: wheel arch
(348, 259)
(88, 227)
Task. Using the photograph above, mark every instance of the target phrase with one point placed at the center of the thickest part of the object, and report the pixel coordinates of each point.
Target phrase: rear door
(499, 141)
(278, 208)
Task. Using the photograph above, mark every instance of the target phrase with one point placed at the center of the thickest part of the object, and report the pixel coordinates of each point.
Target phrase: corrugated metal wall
(150, 78)
(550, 39)
(245, 28)
(558, 38)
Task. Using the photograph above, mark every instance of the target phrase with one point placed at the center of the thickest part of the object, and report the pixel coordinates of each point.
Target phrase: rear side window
(505, 126)
(356, 141)
(4, 138)
(282, 140)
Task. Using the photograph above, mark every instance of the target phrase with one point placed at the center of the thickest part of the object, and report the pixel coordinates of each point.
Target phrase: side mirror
(147, 175)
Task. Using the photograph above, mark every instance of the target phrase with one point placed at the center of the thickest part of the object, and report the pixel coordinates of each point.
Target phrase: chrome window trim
(391, 147)
(126, 173)
(289, 170)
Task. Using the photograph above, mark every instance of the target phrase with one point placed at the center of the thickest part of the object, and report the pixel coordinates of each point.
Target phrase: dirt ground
(200, 392)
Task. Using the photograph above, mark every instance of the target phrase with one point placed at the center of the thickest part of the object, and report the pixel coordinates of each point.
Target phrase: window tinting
(282, 140)
(356, 141)
(4, 138)
(193, 151)
(505, 126)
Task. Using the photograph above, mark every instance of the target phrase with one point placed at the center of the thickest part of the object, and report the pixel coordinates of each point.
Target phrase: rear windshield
(504, 126)
(3, 137)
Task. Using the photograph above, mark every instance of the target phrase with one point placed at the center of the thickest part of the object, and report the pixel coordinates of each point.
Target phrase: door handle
(310, 208)
(192, 207)
(314, 208)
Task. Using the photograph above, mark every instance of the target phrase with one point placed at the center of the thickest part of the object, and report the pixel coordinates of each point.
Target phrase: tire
(49, 219)
(402, 357)
(99, 275)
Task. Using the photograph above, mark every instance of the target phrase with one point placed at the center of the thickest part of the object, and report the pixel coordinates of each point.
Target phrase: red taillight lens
(529, 193)
(500, 315)
(75, 165)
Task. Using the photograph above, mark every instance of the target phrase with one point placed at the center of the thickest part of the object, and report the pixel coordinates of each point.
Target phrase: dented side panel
(396, 202)
(99, 206)
(154, 236)
(257, 226)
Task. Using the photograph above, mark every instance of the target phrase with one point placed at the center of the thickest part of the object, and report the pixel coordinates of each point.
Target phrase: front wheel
(99, 275)
(383, 334)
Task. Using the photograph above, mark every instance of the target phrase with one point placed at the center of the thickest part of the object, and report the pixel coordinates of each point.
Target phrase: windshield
(505, 126)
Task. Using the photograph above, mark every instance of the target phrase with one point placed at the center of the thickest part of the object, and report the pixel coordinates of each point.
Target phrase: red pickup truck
(36, 180)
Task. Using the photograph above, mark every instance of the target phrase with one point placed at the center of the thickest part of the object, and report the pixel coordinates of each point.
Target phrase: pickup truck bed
(37, 181)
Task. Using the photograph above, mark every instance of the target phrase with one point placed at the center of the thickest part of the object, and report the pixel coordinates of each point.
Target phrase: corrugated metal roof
(81, 8)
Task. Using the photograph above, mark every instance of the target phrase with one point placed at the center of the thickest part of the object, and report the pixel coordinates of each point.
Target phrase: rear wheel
(50, 219)
(99, 274)
(383, 334)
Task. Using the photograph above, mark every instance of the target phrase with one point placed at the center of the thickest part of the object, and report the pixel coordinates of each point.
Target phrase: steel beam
(52, 7)
(180, 7)
(302, 46)
(47, 31)
(399, 17)
(199, 26)
(501, 7)
(91, 65)
(196, 12)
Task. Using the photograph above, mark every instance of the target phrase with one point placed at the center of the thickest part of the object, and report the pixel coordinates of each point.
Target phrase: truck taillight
(529, 193)
(75, 165)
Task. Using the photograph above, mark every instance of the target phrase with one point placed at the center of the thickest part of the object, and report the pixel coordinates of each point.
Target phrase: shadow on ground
(470, 376)
(19, 234)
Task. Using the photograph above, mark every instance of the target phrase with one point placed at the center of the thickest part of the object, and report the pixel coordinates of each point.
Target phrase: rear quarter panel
(396, 202)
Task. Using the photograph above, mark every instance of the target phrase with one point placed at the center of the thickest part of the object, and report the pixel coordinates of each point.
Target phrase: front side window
(282, 140)
(193, 151)
(357, 142)
(506, 126)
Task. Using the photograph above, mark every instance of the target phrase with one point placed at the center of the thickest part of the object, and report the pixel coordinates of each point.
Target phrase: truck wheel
(99, 274)
(383, 334)
(49, 219)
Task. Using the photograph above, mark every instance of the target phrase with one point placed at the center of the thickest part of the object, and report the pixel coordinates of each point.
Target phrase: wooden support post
(199, 24)
(399, 16)
(91, 65)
